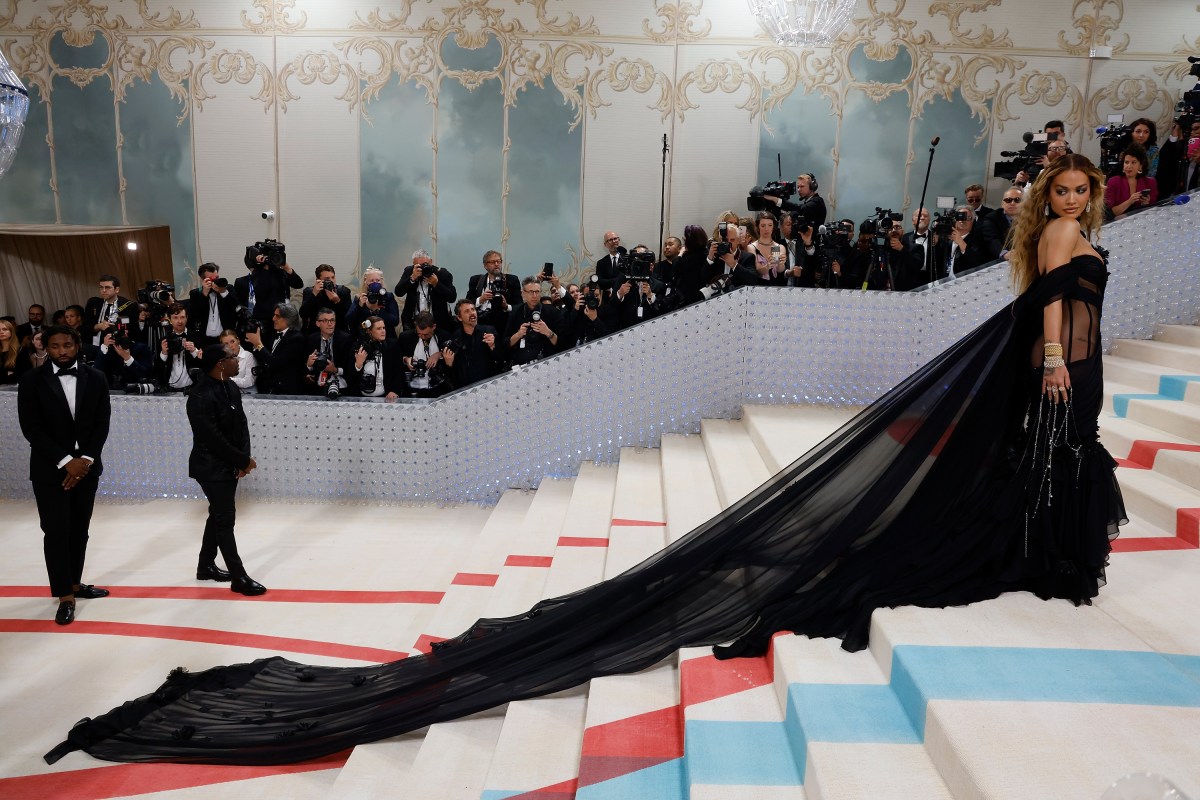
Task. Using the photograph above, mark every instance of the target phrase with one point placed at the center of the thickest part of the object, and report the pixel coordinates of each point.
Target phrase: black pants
(218, 530)
(65, 517)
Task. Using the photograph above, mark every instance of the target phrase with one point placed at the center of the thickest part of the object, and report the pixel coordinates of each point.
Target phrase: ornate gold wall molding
(1049, 88)
(986, 36)
(1095, 27)
(677, 22)
(274, 16)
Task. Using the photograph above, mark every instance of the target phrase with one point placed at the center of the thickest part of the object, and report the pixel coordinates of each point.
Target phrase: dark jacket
(220, 433)
(393, 369)
(312, 302)
(272, 286)
(388, 311)
(280, 367)
(126, 309)
(606, 270)
(440, 298)
(46, 421)
(474, 361)
(198, 306)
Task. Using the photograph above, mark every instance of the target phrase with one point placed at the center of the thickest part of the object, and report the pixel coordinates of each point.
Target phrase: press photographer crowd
(421, 339)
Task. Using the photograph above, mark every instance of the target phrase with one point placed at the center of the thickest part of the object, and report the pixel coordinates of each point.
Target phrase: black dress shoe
(244, 584)
(66, 612)
(211, 572)
(89, 592)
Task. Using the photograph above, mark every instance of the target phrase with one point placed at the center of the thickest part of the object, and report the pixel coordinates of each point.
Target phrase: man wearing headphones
(811, 206)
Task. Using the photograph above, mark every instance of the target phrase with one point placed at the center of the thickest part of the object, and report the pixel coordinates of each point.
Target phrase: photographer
(973, 196)
(281, 367)
(637, 293)
(963, 251)
(532, 327)
(494, 292)
(1056, 146)
(108, 312)
(838, 255)
(331, 354)
(374, 300)
(324, 293)
(1177, 170)
(692, 268)
(378, 371)
(268, 284)
(994, 229)
(247, 364)
(177, 354)
(471, 355)
(592, 315)
(865, 270)
(811, 205)
(917, 262)
(425, 287)
(124, 361)
(727, 266)
(213, 307)
(424, 373)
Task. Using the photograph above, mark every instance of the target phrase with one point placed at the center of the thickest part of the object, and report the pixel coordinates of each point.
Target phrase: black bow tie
(68, 371)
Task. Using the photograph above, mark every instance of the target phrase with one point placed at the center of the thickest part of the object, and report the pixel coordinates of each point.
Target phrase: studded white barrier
(663, 376)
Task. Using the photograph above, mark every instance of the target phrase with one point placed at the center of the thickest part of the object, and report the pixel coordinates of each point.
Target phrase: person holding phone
(770, 257)
(1133, 189)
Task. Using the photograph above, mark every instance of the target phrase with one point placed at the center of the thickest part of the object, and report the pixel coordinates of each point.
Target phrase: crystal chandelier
(14, 106)
(803, 23)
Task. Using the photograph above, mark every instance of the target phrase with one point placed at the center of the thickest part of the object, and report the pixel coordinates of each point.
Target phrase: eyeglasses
(1056, 149)
(1012, 199)
(613, 239)
(493, 261)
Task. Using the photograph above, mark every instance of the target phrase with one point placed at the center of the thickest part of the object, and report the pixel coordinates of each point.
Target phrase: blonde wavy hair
(8, 351)
(1027, 230)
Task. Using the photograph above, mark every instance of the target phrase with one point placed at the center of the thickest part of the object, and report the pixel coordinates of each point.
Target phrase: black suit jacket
(198, 308)
(994, 230)
(46, 421)
(272, 286)
(974, 256)
(126, 309)
(220, 433)
(497, 315)
(606, 270)
(473, 360)
(393, 369)
(440, 298)
(281, 368)
(343, 352)
(916, 265)
(812, 208)
(25, 329)
(311, 303)
(536, 345)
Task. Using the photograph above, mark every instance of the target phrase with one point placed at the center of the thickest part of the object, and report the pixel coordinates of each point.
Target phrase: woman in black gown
(979, 474)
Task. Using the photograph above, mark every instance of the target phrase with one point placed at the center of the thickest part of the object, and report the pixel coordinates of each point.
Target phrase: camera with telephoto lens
(1114, 140)
(880, 225)
(272, 251)
(221, 283)
(156, 295)
(943, 224)
(756, 200)
(318, 366)
(141, 387)
(174, 344)
(636, 267)
(427, 271)
(1027, 159)
(375, 293)
(591, 293)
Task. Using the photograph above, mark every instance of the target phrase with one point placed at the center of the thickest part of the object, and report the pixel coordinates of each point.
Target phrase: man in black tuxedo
(265, 287)
(220, 458)
(213, 307)
(608, 266)
(281, 363)
(995, 227)
(124, 361)
(63, 410)
(918, 256)
(973, 196)
(471, 355)
(810, 206)
(177, 354)
(320, 295)
(108, 311)
(37, 319)
(336, 348)
(530, 339)
(494, 293)
(425, 287)
(423, 344)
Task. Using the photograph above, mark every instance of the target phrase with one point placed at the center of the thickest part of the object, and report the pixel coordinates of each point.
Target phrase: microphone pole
(929, 231)
(662, 203)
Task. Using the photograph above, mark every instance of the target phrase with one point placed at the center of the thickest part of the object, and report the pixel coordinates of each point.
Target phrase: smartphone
(548, 268)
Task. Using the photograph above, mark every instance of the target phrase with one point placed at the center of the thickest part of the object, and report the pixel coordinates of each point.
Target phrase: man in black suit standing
(494, 292)
(336, 348)
(471, 355)
(326, 292)
(108, 311)
(37, 319)
(425, 287)
(973, 196)
(220, 458)
(281, 363)
(607, 267)
(995, 227)
(917, 261)
(213, 307)
(64, 412)
(964, 248)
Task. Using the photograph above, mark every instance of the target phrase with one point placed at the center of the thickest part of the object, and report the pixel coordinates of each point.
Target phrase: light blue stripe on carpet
(661, 782)
(740, 754)
(1170, 387)
(921, 674)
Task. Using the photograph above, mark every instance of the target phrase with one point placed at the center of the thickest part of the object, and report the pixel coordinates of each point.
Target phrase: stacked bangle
(1053, 362)
(1052, 349)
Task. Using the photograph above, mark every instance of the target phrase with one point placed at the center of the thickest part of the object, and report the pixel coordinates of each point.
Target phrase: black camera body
(636, 267)
(156, 293)
(318, 366)
(271, 249)
(174, 344)
(328, 285)
(376, 293)
(756, 201)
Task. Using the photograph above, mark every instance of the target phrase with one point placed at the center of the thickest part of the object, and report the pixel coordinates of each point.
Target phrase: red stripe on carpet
(581, 541)
(656, 734)
(474, 579)
(425, 643)
(1143, 451)
(1187, 525)
(1127, 464)
(706, 678)
(637, 523)
(1187, 536)
(121, 780)
(528, 561)
(597, 769)
(371, 655)
(223, 593)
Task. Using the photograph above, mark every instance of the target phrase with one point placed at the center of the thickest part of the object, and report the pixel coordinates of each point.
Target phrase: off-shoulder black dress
(957, 485)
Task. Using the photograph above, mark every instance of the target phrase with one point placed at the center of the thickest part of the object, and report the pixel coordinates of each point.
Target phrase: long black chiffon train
(958, 485)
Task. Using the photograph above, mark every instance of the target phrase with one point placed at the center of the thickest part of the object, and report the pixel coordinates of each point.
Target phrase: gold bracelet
(1052, 349)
